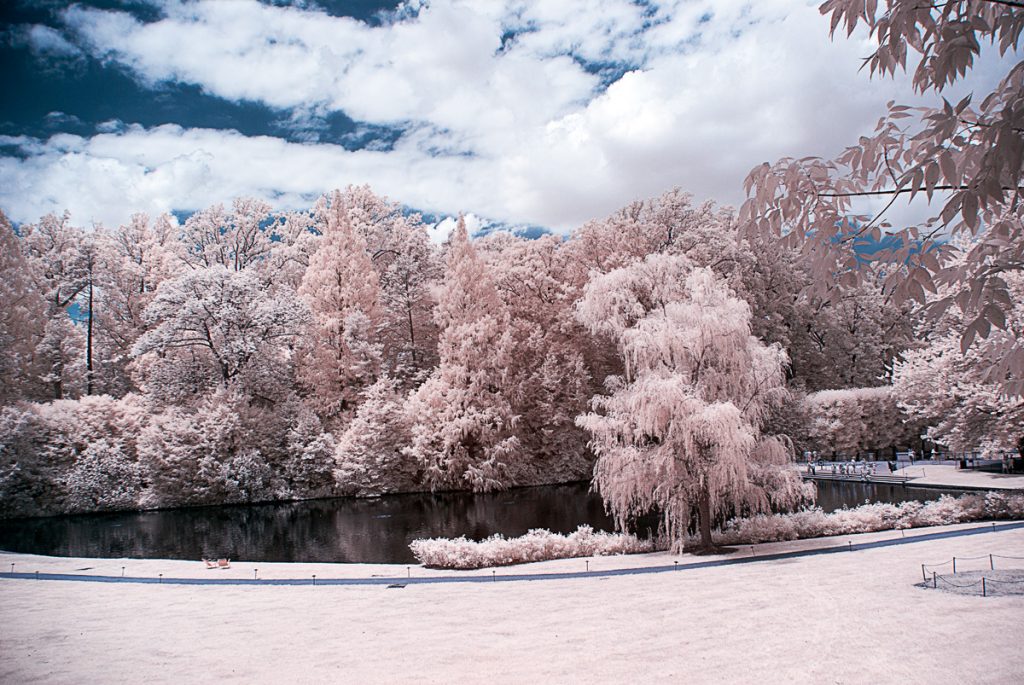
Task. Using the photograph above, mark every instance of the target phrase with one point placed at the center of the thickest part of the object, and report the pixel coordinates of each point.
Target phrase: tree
(550, 383)
(61, 272)
(340, 357)
(950, 391)
(462, 421)
(215, 326)
(680, 433)
(103, 477)
(21, 317)
(855, 420)
(969, 159)
(407, 267)
(370, 457)
(235, 240)
(135, 258)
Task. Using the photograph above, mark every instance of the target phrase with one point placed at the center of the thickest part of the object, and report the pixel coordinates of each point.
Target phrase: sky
(538, 113)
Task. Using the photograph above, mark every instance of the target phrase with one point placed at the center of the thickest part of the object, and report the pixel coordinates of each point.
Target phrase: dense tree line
(248, 354)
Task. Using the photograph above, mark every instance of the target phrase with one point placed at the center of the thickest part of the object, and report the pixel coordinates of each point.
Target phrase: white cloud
(44, 40)
(524, 133)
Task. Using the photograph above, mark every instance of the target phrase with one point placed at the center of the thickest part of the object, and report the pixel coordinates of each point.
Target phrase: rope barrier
(1001, 556)
(957, 584)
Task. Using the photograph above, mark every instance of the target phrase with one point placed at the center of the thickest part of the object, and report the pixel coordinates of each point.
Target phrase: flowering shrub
(812, 523)
(536, 545)
(542, 545)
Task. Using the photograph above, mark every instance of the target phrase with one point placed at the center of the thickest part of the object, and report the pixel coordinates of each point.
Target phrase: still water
(376, 530)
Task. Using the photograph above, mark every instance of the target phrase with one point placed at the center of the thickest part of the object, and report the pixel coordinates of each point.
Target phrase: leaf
(948, 167)
(967, 339)
(970, 210)
(995, 316)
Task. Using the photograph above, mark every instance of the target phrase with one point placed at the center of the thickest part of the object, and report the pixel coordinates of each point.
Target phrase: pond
(376, 530)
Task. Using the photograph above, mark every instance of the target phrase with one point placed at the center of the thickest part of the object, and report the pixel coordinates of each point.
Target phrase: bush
(536, 545)
(812, 523)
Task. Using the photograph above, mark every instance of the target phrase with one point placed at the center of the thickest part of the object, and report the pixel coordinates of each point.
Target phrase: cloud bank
(541, 113)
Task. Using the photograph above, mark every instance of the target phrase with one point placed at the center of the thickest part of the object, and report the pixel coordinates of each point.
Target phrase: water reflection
(348, 530)
(354, 530)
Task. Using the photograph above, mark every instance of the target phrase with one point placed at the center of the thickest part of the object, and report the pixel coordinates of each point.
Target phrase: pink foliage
(681, 432)
(536, 545)
(341, 288)
(811, 523)
(462, 420)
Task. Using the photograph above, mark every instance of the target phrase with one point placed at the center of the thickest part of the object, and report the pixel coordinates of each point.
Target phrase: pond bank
(705, 625)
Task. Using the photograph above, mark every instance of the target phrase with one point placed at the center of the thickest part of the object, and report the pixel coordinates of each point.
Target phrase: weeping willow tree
(680, 432)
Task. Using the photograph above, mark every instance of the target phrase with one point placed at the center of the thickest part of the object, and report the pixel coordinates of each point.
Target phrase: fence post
(954, 566)
(935, 580)
(924, 576)
(983, 592)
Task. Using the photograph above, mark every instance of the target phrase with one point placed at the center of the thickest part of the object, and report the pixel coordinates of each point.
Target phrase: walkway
(513, 577)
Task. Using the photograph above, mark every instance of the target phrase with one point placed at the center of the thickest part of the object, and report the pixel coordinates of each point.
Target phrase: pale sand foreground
(843, 618)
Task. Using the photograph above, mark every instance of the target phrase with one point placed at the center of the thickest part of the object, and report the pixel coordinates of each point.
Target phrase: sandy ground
(941, 474)
(925, 473)
(841, 618)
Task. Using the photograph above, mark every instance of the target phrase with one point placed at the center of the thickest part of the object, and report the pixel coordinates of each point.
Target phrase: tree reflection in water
(376, 530)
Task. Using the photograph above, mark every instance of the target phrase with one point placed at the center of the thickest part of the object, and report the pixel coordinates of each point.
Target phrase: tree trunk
(704, 519)
(88, 345)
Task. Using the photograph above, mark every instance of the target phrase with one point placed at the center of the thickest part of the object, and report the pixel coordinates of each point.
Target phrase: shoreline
(801, 619)
(256, 573)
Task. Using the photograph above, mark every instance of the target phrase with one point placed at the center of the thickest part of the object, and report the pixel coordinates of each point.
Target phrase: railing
(864, 477)
(968, 577)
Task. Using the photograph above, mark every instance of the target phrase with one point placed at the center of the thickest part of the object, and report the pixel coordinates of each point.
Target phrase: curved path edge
(515, 577)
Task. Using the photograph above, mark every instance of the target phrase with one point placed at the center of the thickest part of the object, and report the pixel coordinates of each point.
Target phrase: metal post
(408, 572)
(903, 532)
(983, 592)
(588, 565)
(676, 562)
(494, 576)
(850, 542)
(954, 566)
(255, 571)
(935, 580)
(924, 576)
(752, 552)
(314, 579)
(991, 566)
(122, 571)
(161, 579)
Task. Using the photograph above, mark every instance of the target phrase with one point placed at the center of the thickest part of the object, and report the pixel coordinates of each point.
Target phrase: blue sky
(518, 112)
